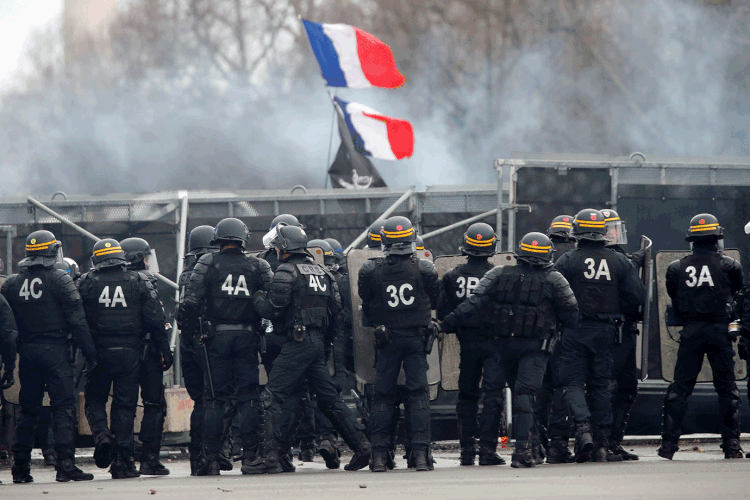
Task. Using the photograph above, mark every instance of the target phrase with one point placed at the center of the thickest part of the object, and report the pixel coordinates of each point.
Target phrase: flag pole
(330, 137)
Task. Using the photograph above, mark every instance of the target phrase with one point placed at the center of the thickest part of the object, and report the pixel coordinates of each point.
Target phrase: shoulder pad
(728, 261)
(556, 278)
(206, 259)
(58, 273)
(286, 268)
(425, 265)
(369, 265)
(143, 276)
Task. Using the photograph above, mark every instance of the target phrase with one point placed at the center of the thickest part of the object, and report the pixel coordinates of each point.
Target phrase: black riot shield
(450, 350)
(670, 335)
(647, 275)
(363, 337)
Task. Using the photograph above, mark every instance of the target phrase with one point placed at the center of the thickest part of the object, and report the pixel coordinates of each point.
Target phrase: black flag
(351, 170)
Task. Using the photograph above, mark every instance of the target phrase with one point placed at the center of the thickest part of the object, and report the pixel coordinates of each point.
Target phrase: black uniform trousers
(524, 364)
(407, 348)
(480, 361)
(192, 362)
(550, 409)
(624, 388)
(712, 340)
(586, 364)
(233, 363)
(296, 362)
(151, 381)
(117, 368)
(43, 365)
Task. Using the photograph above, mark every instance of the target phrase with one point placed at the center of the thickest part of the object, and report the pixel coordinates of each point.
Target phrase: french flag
(350, 57)
(374, 134)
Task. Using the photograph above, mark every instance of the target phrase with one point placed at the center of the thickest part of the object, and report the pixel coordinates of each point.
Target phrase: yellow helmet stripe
(480, 243)
(375, 237)
(562, 224)
(585, 223)
(611, 219)
(537, 249)
(706, 227)
(40, 246)
(420, 248)
(398, 234)
(107, 251)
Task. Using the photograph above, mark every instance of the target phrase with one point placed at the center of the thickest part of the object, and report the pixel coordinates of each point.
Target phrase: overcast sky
(18, 19)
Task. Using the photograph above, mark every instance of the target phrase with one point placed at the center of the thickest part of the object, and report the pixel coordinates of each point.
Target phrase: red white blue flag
(351, 57)
(374, 134)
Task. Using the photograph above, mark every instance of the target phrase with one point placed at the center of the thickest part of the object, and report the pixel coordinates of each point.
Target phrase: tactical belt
(415, 331)
(57, 338)
(233, 328)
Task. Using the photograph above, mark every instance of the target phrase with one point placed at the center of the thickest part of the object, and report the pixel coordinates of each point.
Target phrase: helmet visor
(59, 255)
(270, 236)
(152, 263)
(616, 233)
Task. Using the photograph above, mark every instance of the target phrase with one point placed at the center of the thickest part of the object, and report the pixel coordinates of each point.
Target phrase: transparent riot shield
(450, 350)
(363, 337)
(647, 275)
(670, 335)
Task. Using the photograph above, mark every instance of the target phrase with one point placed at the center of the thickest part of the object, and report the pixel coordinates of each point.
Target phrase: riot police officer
(701, 286)
(550, 412)
(605, 284)
(46, 304)
(528, 299)
(304, 302)
(158, 359)
(373, 235)
(120, 305)
(398, 292)
(8, 339)
(480, 358)
(624, 386)
(269, 254)
(225, 282)
(192, 358)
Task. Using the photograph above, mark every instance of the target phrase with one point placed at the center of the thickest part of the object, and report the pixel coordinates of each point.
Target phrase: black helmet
(703, 227)
(68, 265)
(43, 244)
(536, 249)
(589, 225)
(335, 245)
(323, 245)
(419, 242)
(288, 219)
(199, 241)
(561, 226)
(373, 234)
(230, 230)
(292, 239)
(616, 234)
(109, 250)
(398, 236)
(480, 240)
(136, 249)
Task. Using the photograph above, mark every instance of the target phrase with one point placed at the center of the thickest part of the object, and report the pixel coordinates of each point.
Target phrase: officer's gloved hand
(167, 359)
(8, 380)
(639, 258)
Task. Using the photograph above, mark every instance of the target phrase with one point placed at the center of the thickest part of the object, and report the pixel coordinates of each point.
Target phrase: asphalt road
(693, 474)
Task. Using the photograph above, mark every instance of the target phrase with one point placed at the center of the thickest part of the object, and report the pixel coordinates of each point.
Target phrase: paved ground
(698, 472)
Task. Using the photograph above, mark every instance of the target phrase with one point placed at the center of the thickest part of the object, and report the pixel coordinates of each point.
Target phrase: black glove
(167, 359)
(8, 379)
(638, 258)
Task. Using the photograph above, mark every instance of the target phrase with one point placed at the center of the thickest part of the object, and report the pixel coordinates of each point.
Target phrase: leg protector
(675, 406)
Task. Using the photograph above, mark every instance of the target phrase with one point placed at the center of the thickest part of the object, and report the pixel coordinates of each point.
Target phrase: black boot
(468, 452)
(488, 455)
(621, 414)
(225, 463)
(538, 454)
(584, 442)
(523, 457)
(306, 450)
(617, 449)
(732, 448)
(121, 468)
(286, 462)
(558, 451)
(419, 459)
(330, 454)
(667, 449)
(379, 459)
(601, 451)
(362, 452)
(198, 466)
(103, 451)
(150, 465)
(21, 472)
(50, 457)
(67, 471)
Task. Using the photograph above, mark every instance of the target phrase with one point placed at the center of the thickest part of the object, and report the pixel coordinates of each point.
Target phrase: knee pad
(417, 400)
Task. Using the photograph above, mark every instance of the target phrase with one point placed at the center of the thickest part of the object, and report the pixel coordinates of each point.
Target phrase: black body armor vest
(400, 299)
(36, 309)
(595, 282)
(703, 292)
(521, 308)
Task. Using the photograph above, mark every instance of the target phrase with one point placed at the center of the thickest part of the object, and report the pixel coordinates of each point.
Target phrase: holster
(145, 346)
(207, 330)
(72, 347)
(299, 332)
(549, 344)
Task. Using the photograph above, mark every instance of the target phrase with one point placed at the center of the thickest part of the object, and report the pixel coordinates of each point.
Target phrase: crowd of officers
(559, 328)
